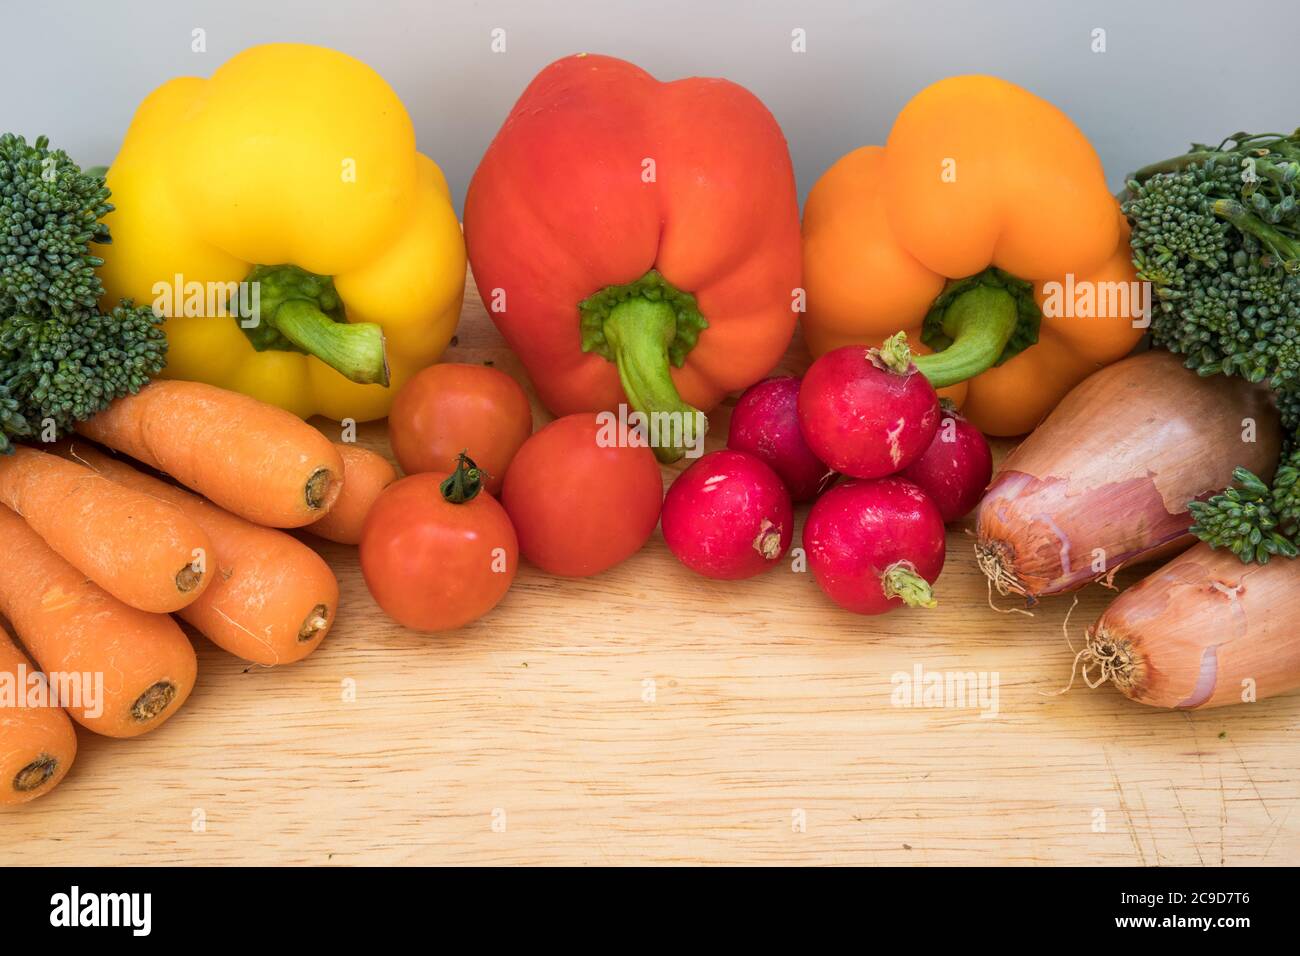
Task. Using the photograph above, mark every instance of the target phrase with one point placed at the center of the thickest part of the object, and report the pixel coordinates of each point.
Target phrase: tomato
(449, 408)
(579, 503)
(437, 554)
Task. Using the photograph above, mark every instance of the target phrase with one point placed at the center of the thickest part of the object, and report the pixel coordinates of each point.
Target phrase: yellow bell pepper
(291, 179)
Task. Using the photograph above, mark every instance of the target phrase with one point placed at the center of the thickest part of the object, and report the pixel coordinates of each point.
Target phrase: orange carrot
(142, 662)
(37, 742)
(251, 458)
(272, 599)
(365, 475)
(135, 548)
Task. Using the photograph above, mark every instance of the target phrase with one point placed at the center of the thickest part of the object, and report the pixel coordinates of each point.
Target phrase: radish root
(767, 542)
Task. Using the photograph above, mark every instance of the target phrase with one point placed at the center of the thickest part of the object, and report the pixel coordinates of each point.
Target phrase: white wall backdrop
(1172, 70)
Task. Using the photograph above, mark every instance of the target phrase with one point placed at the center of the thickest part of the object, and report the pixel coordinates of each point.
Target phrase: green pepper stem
(639, 332)
(354, 349)
(980, 323)
(900, 580)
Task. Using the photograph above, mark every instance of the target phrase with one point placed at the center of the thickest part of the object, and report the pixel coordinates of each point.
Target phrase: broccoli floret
(61, 359)
(1217, 233)
(1250, 517)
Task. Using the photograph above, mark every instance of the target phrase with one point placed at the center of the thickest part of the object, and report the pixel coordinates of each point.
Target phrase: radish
(765, 424)
(868, 412)
(1203, 631)
(1106, 479)
(875, 545)
(955, 469)
(728, 516)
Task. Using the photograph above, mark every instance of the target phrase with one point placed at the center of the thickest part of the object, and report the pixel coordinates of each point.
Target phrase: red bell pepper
(635, 240)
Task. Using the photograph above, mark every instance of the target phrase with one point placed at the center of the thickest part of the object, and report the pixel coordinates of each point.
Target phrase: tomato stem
(463, 483)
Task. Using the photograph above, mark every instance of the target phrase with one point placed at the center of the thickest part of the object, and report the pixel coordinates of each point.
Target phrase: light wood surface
(649, 715)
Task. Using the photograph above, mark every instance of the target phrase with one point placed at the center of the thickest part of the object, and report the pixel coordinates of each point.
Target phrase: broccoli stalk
(1217, 233)
(61, 359)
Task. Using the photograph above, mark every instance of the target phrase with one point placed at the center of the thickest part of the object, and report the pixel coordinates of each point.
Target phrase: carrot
(253, 459)
(272, 598)
(1203, 631)
(70, 625)
(37, 743)
(365, 475)
(142, 553)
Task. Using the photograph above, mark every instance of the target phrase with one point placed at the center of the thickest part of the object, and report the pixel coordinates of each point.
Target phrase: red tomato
(580, 507)
(434, 563)
(449, 408)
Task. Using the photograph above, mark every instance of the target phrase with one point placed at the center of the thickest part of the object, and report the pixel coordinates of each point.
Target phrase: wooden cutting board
(649, 715)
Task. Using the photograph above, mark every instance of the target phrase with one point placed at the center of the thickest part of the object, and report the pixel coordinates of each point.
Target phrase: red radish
(728, 516)
(875, 545)
(766, 424)
(955, 469)
(868, 412)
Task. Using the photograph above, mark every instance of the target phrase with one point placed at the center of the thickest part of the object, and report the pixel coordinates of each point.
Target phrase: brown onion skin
(1189, 634)
(1114, 466)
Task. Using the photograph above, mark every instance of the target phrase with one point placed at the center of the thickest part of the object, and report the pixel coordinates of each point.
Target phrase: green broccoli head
(1217, 234)
(1176, 238)
(1253, 520)
(50, 211)
(61, 359)
(1219, 240)
(71, 370)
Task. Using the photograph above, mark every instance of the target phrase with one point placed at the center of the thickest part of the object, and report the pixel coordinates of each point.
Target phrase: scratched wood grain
(652, 716)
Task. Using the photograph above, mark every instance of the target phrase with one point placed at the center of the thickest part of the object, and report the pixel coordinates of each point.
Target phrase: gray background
(1173, 71)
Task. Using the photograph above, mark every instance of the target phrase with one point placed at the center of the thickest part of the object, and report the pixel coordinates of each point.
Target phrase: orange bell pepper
(985, 231)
